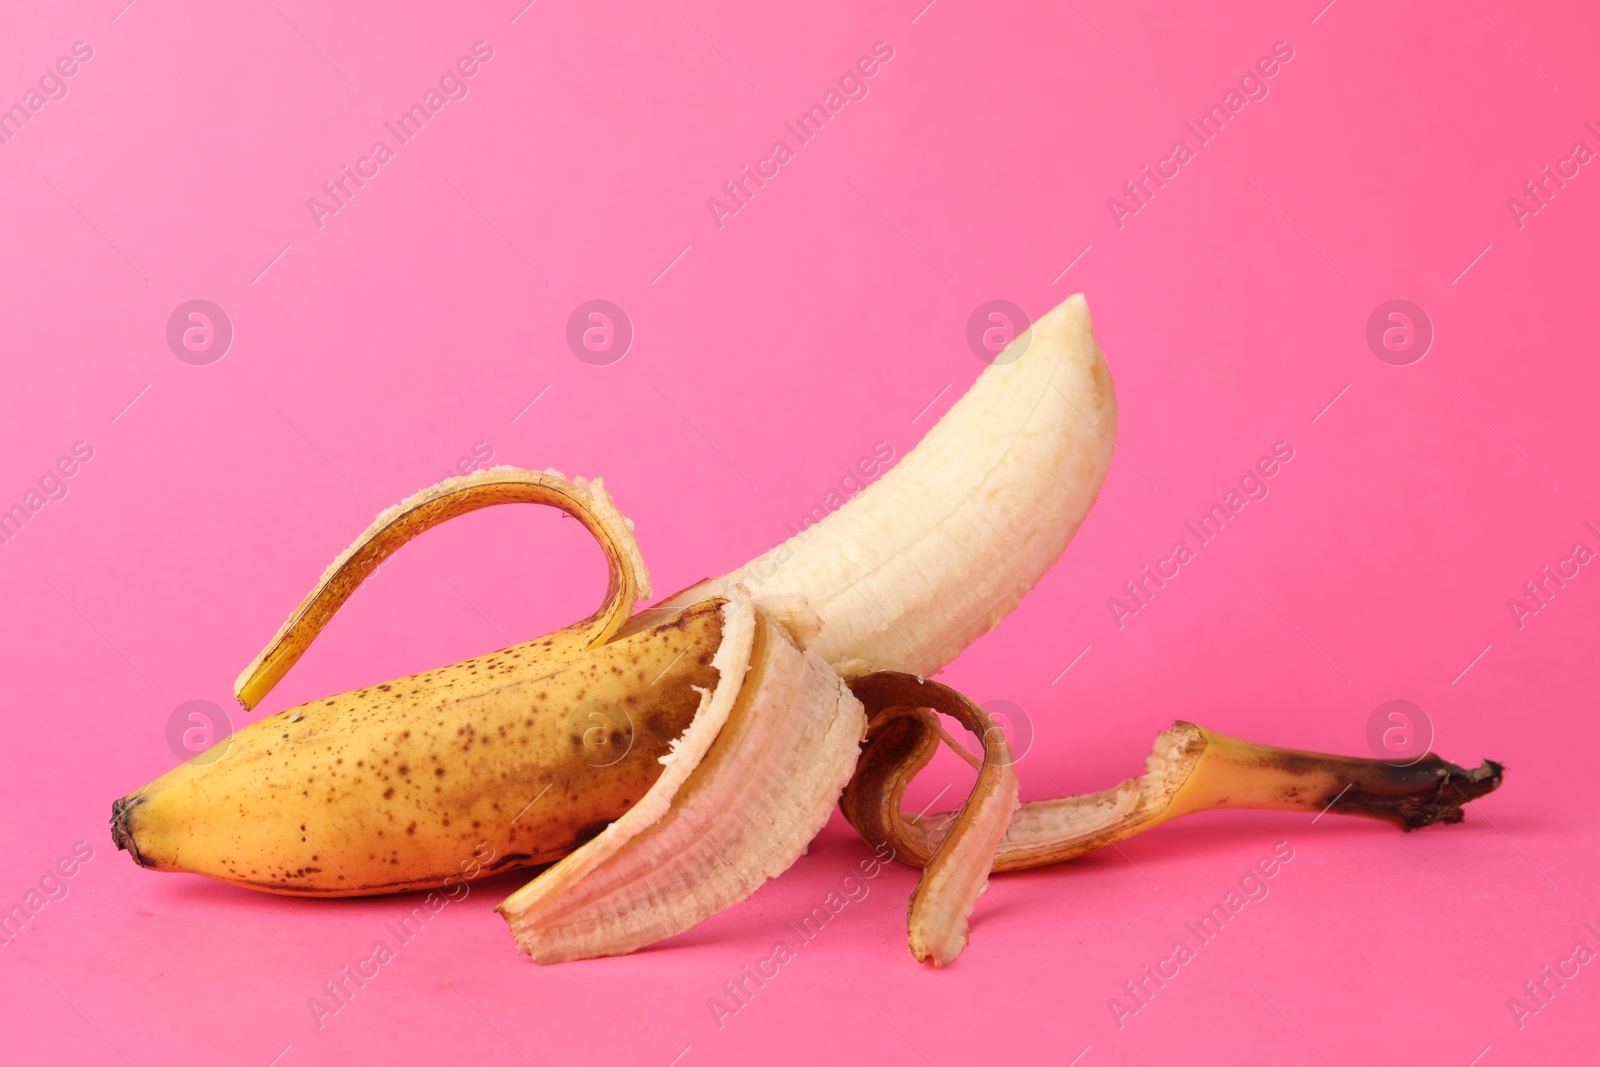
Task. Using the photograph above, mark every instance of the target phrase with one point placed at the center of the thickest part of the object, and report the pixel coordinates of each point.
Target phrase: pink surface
(374, 351)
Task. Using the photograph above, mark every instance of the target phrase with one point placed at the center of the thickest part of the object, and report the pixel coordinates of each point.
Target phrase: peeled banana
(669, 762)
(938, 551)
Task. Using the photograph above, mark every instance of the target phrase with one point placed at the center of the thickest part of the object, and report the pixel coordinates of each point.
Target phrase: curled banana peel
(955, 868)
(1189, 769)
(586, 501)
(746, 788)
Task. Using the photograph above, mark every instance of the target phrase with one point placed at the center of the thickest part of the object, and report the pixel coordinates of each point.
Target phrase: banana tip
(121, 833)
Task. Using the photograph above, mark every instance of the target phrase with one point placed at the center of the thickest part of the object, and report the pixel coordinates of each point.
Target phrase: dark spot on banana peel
(588, 833)
(1296, 764)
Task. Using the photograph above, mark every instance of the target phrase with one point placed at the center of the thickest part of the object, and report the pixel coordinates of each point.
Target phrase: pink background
(370, 354)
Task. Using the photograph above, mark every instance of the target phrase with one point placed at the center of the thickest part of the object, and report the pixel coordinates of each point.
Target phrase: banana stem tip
(1431, 790)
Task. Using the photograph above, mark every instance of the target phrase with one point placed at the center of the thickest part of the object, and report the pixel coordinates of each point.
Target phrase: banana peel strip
(585, 500)
(751, 781)
(901, 738)
(1189, 769)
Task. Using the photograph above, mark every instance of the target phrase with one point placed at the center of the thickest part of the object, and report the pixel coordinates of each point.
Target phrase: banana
(669, 762)
(939, 550)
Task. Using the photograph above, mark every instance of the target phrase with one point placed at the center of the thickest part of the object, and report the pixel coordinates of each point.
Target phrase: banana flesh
(939, 550)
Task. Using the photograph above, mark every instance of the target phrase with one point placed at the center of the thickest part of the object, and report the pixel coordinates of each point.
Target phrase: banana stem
(1233, 773)
(1189, 769)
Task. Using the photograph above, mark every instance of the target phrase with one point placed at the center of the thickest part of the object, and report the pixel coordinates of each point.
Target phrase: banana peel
(746, 788)
(1189, 769)
(522, 754)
